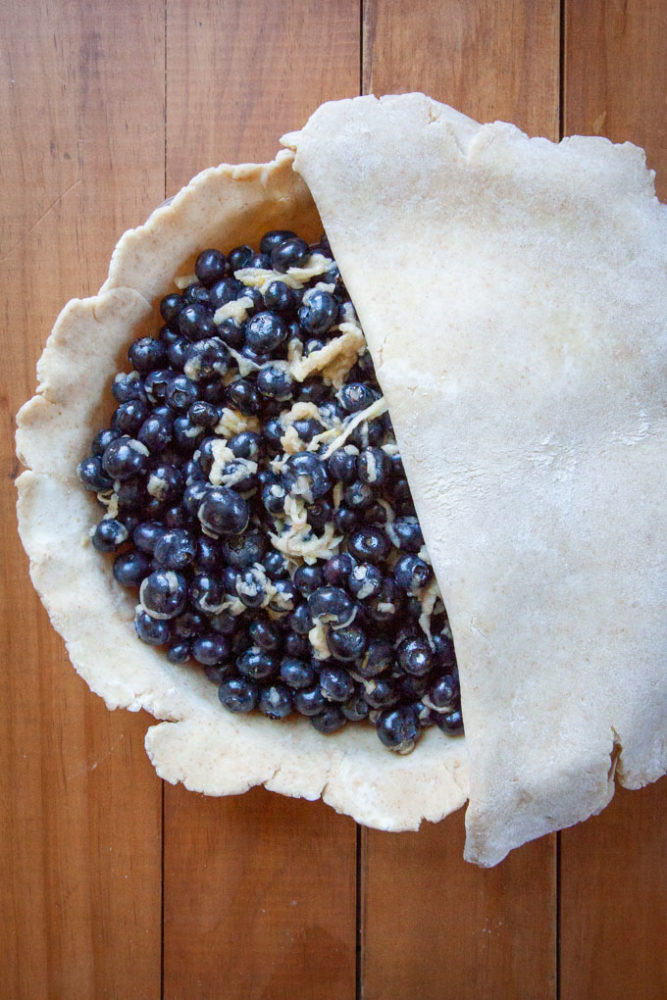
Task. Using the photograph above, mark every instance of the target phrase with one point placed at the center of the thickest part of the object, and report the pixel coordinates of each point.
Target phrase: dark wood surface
(113, 884)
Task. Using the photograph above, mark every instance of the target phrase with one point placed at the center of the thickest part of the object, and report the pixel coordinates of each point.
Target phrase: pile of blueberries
(212, 588)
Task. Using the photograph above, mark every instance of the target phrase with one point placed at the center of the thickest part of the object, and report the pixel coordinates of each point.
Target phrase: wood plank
(490, 60)
(614, 900)
(616, 75)
(259, 890)
(80, 915)
(613, 885)
(433, 925)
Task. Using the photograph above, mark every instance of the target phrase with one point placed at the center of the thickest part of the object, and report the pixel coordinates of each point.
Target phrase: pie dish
(512, 294)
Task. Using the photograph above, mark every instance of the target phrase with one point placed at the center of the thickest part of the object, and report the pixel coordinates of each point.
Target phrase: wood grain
(615, 78)
(612, 880)
(260, 890)
(80, 848)
(488, 59)
(462, 932)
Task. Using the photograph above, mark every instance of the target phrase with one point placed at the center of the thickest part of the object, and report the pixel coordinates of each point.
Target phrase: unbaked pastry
(510, 290)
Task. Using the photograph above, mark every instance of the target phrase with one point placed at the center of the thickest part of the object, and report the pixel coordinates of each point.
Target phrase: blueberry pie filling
(255, 499)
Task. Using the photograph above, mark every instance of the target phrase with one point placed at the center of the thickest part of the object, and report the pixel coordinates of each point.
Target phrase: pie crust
(512, 293)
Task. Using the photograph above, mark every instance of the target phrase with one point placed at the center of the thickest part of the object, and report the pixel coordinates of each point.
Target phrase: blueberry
(329, 721)
(369, 544)
(238, 694)
(109, 534)
(224, 291)
(265, 331)
(242, 395)
(358, 496)
(279, 297)
(342, 465)
(275, 701)
(381, 692)
(206, 593)
(188, 625)
(151, 630)
(165, 482)
(292, 252)
(223, 512)
(273, 431)
(337, 569)
(92, 475)
(356, 709)
(411, 573)
(297, 645)
(444, 693)
(301, 620)
(209, 650)
(378, 657)
(307, 579)
(177, 353)
(128, 386)
(345, 520)
(449, 722)
(210, 266)
(208, 554)
(145, 536)
(355, 396)
(284, 598)
(265, 634)
(170, 307)
(130, 568)
(204, 414)
(225, 623)
(179, 651)
(415, 657)
(347, 643)
(310, 701)
(318, 313)
(275, 382)
(331, 605)
(193, 495)
(273, 498)
(373, 466)
(319, 515)
(365, 580)
(238, 257)
(156, 384)
(125, 457)
(308, 428)
(250, 587)
(102, 440)
(398, 728)
(245, 444)
(205, 359)
(196, 323)
(182, 393)
(231, 333)
(275, 564)
(444, 651)
(312, 345)
(164, 594)
(196, 294)
(336, 684)
(256, 664)
(387, 604)
(273, 238)
(186, 435)
(243, 550)
(156, 432)
(296, 673)
(175, 549)
(304, 475)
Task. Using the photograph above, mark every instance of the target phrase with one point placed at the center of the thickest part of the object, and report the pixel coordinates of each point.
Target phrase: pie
(512, 294)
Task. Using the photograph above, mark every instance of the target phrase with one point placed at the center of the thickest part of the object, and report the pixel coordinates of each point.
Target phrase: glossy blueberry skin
(415, 657)
(297, 645)
(238, 694)
(156, 385)
(275, 383)
(182, 393)
(444, 692)
(231, 333)
(188, 625)
(243, 550)
(164, 594)
(365, 581)
(205, 592)
(156, 432)
(275, 701)
(301, 620)
(195, 322)
(223, 512)
(224, 291)
(356, 709)
(146, 535)
(318, 313)
(337, 569)
(238, 257)
(411, 573)
(329, 721)
(382, 692)
(147, 353)
(305, 475)
(246, 444)
(378, 658)
(250, 588)
(186, 435)
(265, 331)
(205, 359)
(444, 652)
(126, 386)
(310, 701)
(179, 651)
(410, 538)
(210, 266)
(307, 579)
(210, 650)
(129, 568)
(292, 252)
(124, 457)
(153, 631)
(331, 605)
(336, 684)
(369, 544)
(175, 549)
(265, 634)
(273, 431)
(398, 728)
(196, 293)
(275, 564)
(166, 482)
(170, 307)
(355, 396)
(449, 722)
(319, 515)
(92, 475)
(342, 466)
(373, 466)
(279, 297)
(242, 395)
(109, 535)
(204, 414)
(273, 238)
(296, 673)
(285, 598)
(347, 643)
(257, 664)
(102, 440)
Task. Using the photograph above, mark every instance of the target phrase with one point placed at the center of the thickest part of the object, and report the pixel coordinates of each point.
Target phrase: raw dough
(512, 291)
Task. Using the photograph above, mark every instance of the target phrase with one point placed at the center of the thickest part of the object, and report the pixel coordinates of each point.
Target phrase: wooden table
(115, 885)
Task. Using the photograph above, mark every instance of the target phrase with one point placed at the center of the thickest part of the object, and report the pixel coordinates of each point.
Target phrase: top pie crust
(511, 293)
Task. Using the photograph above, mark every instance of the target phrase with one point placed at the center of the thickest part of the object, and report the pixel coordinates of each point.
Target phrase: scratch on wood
(41, 218)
